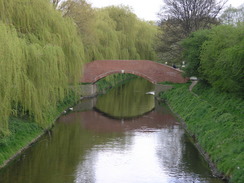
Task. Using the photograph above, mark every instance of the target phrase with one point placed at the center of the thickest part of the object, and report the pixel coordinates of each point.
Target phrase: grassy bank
(24, 131)
(216, 122)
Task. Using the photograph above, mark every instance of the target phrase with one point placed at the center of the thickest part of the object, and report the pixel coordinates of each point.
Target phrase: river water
(125, 136)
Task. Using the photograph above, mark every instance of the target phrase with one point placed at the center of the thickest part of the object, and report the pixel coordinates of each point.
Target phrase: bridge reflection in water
(98, 122)
(86, 146)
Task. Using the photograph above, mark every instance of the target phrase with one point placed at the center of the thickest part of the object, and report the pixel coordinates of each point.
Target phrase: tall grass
(216, 128)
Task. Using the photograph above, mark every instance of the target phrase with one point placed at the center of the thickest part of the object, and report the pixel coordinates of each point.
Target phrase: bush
(222, 58)
(192, 47)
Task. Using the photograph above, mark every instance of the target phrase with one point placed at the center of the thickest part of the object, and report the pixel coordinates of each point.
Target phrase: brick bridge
(152, 71)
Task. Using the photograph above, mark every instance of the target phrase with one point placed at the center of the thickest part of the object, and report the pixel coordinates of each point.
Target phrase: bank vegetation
(215, 121)
(43, 45)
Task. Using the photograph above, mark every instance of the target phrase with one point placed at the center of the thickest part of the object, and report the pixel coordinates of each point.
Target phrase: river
(124, 136)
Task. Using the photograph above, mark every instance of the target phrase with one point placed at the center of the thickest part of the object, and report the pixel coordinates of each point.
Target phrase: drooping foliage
(113, 32)
(43, 44)
(40, 54)
(128, 31)
(83, 15)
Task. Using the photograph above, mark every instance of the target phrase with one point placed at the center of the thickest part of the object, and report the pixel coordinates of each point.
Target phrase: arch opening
(109, 73)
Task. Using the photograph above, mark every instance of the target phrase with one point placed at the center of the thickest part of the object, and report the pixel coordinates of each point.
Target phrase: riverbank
(24, 132)
(215, 121)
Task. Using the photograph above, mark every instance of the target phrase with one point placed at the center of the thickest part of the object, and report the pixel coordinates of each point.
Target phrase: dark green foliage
(22, 133)
(216, 56)
(222, 58)
(192, 47)
(217, 129)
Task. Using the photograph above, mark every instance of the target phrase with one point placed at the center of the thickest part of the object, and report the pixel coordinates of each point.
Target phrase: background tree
(112, 32)
(233, 15)
(192, 47)
(56, 3)
(222, 58)
(181, 17)
(83, 15)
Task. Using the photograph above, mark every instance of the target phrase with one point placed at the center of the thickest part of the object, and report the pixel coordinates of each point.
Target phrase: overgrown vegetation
(218, 128)
(229, 102)
(23, 131)
(217, 56)
(112, 32)
(42, 50)
(43, 46)
(40, 54)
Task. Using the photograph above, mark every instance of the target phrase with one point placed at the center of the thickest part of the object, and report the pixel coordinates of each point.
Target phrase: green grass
(217, 126)
(227, 101)
(24, 131)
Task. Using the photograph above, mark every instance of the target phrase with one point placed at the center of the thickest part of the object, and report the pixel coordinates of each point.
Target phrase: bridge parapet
(152, 71)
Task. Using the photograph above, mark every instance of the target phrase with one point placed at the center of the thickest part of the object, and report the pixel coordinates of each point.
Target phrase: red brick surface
(149, 70)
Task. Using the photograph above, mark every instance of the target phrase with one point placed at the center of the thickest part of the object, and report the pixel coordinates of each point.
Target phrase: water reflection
(87, 146)
(128, 100)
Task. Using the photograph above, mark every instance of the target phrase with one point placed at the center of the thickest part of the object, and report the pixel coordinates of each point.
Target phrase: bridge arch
(152, 71)
(123, 71)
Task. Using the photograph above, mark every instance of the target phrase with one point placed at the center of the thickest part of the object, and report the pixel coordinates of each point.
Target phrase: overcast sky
(144, 9)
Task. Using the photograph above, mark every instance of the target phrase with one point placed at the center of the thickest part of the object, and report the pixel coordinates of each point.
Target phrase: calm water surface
(124, 136)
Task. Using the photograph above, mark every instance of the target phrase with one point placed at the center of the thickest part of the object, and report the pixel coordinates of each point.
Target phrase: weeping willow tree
(40, 55)
(126, 30)
(146, 39)
(113, 32)
(129, 37)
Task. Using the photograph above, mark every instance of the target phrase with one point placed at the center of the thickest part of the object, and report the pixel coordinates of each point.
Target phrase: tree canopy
(43, 44)
(40, 54)
(233, 15)
(217, 56)
(179, 18)
(112, 32)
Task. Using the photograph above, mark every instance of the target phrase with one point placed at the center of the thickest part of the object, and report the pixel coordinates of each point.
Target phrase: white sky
(144, 9)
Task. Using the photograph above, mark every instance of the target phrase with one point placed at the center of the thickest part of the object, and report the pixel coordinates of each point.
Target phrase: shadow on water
(86, 146)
